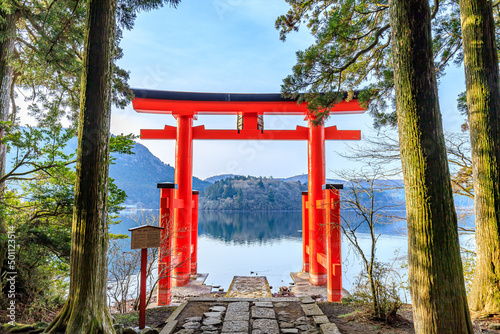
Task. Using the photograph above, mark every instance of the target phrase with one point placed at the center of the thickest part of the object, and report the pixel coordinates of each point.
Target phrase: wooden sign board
(146, 237)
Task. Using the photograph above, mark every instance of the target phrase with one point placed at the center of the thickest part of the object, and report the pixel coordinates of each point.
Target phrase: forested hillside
(252, 193)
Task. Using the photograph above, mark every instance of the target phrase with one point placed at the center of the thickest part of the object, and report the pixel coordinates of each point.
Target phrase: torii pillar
(316, 180)
(183, 212)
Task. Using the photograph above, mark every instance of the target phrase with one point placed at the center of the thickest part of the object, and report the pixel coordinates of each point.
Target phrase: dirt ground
(349, 320)
(155, 317)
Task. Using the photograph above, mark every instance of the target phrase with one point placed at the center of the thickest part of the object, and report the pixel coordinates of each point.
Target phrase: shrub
(383, 297)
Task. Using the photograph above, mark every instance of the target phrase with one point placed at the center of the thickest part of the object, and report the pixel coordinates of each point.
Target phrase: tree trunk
(7, 35)
(86, 309)
(435, 268)
(483, 102)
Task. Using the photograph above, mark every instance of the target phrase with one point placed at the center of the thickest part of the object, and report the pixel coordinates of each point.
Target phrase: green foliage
(49, 52)
(48, 58)
(39, 206)
(352, 51)
(270, 195)
(122, 144)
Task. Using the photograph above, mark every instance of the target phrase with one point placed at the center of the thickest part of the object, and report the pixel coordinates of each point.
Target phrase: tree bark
(435, 267)
(86, 309)
(483, 103)
(7, 36)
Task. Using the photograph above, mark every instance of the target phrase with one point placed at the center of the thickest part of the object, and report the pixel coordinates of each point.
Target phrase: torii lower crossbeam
(300, 133)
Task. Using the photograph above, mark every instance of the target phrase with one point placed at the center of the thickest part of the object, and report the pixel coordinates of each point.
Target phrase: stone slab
(212, 321)
(263, 304)
(279, 299)
(249, 286)
(194, 290)
(238, 307)
(329, 328)
(199, 279)
(237, 316)
(289, 330)
(169, 327)
(263, 313)
(311, 309)
(191, 325)
(306, 300)
(202, 299)
(213, 314)
(268, 326)
(218, 309)
(230, 300)
(235, 327)
(320, 319)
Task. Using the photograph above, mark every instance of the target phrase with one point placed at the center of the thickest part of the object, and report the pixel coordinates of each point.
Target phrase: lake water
(269, 244)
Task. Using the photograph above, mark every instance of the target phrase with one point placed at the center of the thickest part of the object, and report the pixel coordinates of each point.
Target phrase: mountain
(139, 173)
(303, 178)
(216, 178)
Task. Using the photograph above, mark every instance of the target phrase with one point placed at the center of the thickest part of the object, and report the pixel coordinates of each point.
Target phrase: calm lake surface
(269, 244)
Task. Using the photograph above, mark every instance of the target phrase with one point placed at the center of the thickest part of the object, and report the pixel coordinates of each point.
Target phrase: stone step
(249, 287)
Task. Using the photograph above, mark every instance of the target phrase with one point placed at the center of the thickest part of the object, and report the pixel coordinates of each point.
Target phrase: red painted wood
(316, 175)
(194, 235)
(305, 233)
(300, 133)
(183, 216)
(322, 260)
(176, 107)
(333, 246)
(165, 250)
(142, 303)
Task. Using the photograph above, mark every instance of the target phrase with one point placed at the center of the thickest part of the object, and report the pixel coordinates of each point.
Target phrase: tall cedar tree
(41, 47)
(435, 268)
(7, 36)
(86, 309)
(483, 104)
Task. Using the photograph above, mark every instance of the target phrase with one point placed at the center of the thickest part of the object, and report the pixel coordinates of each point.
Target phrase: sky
(232, 46)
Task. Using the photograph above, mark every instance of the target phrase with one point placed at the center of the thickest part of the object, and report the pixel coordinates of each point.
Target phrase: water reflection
(267, 244)
(250, 227)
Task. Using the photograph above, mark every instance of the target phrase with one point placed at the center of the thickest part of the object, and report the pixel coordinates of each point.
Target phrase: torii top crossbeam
(250, 106)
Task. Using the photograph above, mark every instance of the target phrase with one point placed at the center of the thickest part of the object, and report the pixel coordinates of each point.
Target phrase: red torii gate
(178, 205)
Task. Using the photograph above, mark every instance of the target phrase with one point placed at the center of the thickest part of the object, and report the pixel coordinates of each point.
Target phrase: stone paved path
(249, 287)
(249, 316)
(249, 309)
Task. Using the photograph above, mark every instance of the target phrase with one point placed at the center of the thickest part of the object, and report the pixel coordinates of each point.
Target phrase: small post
(165, 270)
(194, 234)
(144, 237)
(305, 232)
(333, 242)
(142, 305)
